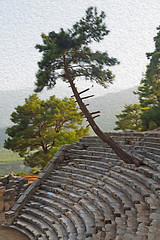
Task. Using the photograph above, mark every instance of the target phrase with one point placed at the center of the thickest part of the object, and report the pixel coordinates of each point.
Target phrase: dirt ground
(11, 234)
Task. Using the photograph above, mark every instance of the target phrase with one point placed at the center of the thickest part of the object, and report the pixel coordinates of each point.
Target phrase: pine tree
(130, 118)
(67, 55)
(41, 127)
(149, 89)
(149, 96)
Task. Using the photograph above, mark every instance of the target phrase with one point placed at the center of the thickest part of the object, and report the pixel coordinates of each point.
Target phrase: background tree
(151, 118)
(149, 89)
(67, 55)
(41, 127)
(149, 95)
(130, 118)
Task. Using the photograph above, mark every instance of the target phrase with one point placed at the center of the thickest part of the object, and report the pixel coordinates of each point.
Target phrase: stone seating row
(95, 196)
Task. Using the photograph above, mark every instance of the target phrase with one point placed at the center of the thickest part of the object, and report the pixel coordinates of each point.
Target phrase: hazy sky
(132, 26)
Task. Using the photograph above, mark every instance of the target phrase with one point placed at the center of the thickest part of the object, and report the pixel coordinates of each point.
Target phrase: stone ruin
(87, 193)
(11, 187)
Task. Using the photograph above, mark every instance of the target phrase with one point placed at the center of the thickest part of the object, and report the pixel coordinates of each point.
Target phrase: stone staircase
(88, 193)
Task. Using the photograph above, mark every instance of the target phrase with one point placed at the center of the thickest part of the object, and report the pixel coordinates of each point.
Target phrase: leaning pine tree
(67, 55)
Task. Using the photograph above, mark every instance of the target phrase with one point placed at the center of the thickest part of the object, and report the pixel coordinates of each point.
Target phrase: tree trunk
(104, 137)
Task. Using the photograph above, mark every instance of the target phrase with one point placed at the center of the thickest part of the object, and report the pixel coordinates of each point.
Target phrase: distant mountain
(109, 105)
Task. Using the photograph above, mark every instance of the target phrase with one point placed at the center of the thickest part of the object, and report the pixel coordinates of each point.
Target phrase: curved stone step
(155, 145)
(95, 163)
(57, 210)
(154, 165)
(101, 178)
(34, 220)
(138, 205)
(84, 172)
(92, 154)
(89, 206)
(115, 206)
(150, 173)
(47, 222)
(152, 139)
(102, 206)
(150, 199)
(135, 197)
(155, 151)
(135, 174)
(83, 180)
(22, 228)
(88, 220)
(26, 226)
(94, 169)
(150, 155)
(101, 148)
(69, 225)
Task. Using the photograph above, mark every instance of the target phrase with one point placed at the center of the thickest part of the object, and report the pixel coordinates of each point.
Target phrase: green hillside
(11, 162)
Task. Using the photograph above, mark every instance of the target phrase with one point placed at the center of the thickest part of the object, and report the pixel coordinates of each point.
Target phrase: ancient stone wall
(11, 187)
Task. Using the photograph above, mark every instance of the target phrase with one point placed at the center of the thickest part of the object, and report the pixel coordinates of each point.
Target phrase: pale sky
(132, 26)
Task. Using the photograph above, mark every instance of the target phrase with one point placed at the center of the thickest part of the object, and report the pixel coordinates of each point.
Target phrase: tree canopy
(151, 118)
(69, 51)
(149, 89)
(130, 118)
(149, 95)
(41, 127)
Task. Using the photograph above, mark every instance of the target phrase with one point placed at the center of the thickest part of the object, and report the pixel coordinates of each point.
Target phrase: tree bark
(103, 136)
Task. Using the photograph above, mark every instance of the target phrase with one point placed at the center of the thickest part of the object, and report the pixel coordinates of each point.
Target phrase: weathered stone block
(1, 205)
(49, 167)
(42, 175)
(36, 183)
(16, 207)
(8, 205)
(21, 199)
(2, 217)
(2, 191)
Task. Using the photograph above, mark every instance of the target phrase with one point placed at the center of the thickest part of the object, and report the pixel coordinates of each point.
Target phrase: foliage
(149, 90)
(69, 53)
(21, 174)
(34, 170)
(41, 127)
(149, 95)
(151, 118)
(130, 118)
